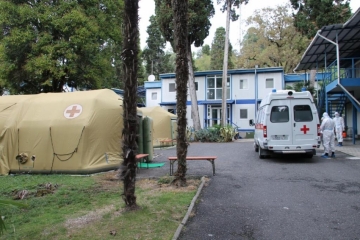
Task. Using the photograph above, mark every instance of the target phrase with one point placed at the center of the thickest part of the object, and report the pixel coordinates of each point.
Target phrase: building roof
(141, 91)
(321, 51)
(230, 72)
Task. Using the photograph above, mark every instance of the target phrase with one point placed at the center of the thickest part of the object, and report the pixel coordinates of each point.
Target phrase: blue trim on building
(201, 102)
(154, 84)
(246, 130)
(350, 82)
(294, 77)
(245, 101)
(167, 103)
(230, 72)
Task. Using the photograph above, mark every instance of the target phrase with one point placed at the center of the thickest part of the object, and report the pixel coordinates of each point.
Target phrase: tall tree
(157, 61)
(217, 50)
(272, 40)
(199, 12)
(49, 43)
(229, 6)
(180, 8)
(312, 15)
(130, 67)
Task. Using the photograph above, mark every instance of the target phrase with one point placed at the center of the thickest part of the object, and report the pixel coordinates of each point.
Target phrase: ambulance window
(279, 114)
(302, 113)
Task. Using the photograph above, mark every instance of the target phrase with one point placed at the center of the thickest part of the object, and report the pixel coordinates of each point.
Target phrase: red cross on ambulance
(304, 129)
(73, 111)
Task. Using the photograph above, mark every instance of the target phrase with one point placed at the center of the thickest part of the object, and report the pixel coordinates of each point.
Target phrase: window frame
(154, 94)
(171, 86)
(216, 89)
(266, 82)
(246, 83)
(243, 118)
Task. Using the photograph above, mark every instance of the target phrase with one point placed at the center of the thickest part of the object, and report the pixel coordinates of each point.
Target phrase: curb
(186, 217)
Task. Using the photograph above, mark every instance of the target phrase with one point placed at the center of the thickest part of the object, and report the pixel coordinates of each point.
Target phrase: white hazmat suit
(327, 128)
(339, 128)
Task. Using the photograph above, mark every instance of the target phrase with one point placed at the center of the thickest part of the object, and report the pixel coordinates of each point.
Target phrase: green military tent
(164, 123)
(75, 132)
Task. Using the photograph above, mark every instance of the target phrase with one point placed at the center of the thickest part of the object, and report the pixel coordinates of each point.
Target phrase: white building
(245, 88)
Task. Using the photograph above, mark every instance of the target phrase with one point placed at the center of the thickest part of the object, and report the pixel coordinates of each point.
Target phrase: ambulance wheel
(261, 153)
(256, 147)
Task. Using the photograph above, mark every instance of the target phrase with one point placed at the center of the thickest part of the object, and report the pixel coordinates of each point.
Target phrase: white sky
(147, 8)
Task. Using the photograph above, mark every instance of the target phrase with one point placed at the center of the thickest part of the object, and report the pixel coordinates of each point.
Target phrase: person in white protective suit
(327, 128)
(339, 128)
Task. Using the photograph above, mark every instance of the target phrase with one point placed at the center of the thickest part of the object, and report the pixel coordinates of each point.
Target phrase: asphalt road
(274, 198)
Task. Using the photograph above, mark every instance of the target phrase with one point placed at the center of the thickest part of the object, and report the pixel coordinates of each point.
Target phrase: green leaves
(7, 203)
(217, 51)
(313, 15)
(199, 14)
(272, 40)
(46, 44)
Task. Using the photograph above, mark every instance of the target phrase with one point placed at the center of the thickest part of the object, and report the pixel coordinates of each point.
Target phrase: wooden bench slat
(195, 158)
(211, 159)
(143, 157)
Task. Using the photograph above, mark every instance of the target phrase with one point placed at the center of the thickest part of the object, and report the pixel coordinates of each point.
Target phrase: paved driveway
(273, 198)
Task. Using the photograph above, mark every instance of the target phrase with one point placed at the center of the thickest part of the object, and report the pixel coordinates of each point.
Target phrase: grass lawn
(91, 207)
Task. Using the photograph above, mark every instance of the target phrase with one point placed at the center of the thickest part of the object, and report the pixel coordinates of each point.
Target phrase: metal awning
(321, 51)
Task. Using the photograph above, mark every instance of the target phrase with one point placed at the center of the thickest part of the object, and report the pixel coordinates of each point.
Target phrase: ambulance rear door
(304, 122)
(279, 125)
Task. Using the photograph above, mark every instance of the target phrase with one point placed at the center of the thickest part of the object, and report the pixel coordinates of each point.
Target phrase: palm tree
(180, 8)
(130, 68)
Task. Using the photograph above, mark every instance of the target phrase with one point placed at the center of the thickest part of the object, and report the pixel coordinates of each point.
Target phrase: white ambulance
(287, 122)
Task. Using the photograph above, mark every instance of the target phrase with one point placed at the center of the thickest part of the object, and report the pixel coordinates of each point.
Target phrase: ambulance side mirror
(251, 122)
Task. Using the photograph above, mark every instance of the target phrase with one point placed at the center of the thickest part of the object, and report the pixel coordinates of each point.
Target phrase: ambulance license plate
(276, 137)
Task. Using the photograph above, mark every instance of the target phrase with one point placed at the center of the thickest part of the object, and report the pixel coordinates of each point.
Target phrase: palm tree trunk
(130, 67)
(180, 8)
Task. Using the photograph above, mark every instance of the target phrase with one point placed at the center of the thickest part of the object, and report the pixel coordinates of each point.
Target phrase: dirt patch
(80, 222)
(111, 179)
(42, 190)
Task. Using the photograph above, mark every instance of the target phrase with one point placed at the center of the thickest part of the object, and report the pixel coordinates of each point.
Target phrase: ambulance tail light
(318, 130)
(265, 131)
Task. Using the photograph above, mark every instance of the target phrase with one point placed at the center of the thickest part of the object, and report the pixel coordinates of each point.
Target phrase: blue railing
(330, 75)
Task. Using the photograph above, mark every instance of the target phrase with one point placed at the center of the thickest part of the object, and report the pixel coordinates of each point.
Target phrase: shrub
(227, 133)
(208, 135)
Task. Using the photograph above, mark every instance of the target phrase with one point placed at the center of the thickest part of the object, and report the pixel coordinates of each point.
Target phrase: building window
(214, 87)
(196, 86)
(243, 114)
(243, 84)
(171, 87)
(269, 83)
(154, 96)
(171, 110)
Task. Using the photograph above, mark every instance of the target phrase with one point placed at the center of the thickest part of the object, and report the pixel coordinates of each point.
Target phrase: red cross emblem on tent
(304, 129)
(73, 111)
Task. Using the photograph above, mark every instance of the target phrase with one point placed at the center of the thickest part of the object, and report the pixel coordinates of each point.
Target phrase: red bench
(142, 157)
(211, 159)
